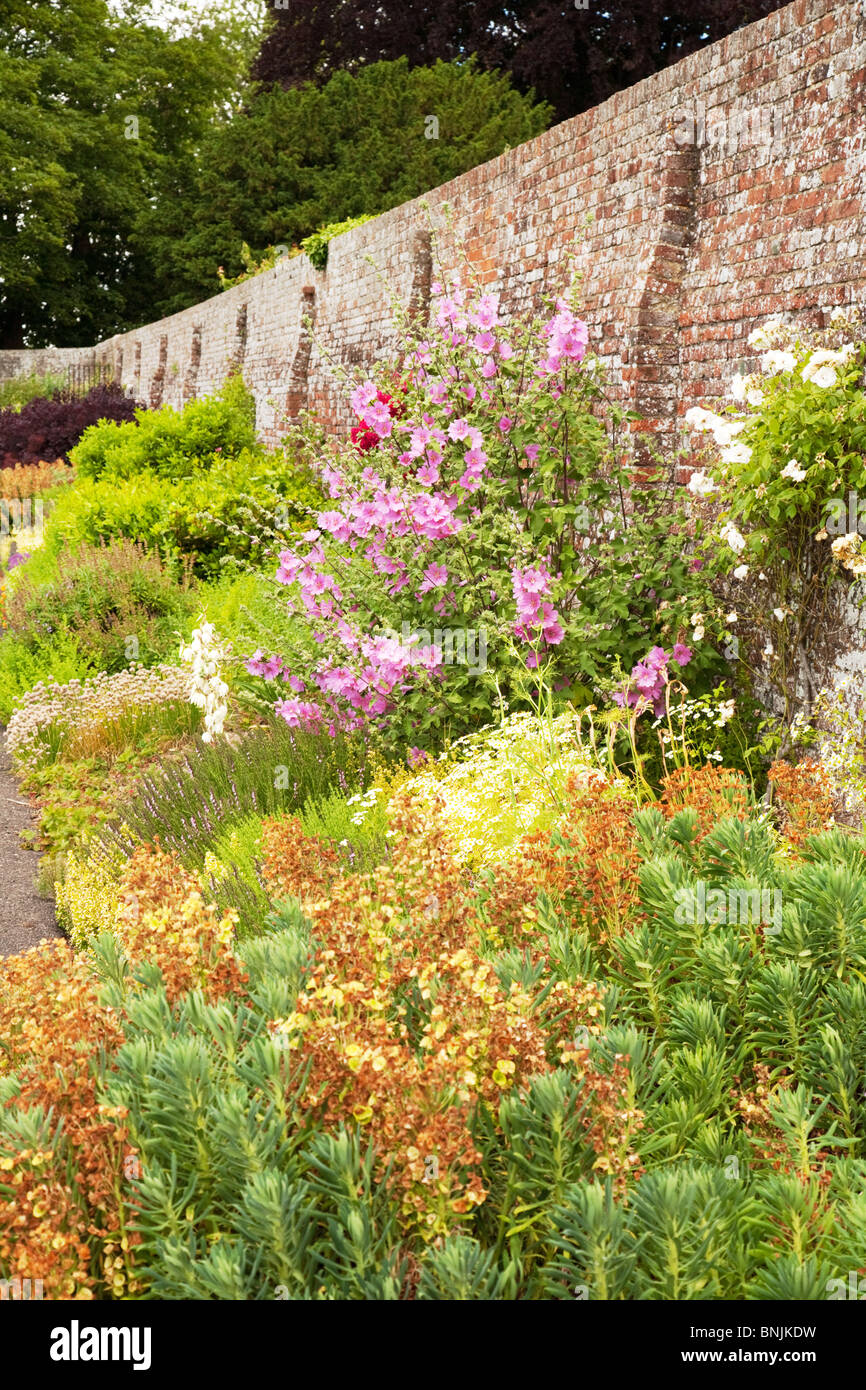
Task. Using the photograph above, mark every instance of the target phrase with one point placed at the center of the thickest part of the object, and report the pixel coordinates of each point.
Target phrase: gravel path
(25, 917)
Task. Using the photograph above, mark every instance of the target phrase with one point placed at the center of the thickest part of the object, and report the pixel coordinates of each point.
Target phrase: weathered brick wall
(726, 188)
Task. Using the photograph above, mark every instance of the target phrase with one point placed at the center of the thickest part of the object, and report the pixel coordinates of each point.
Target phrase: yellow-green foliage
(507, 780)
(87, 900)
(238, 848)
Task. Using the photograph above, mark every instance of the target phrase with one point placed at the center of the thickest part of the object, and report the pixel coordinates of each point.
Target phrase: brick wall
(726, 188)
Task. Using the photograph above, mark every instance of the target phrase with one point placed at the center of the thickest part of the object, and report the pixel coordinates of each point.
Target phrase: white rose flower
(793, 471)
(701, 485)
(734, 538)
(699, 419)
(763, 337)
(821, 367)
(741, 571)
(779, 614)
(737, 387)
(773, 363)
(724, 432)
(736, 453)
(824, 377)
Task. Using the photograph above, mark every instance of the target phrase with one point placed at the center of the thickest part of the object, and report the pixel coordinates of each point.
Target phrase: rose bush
(787, 477)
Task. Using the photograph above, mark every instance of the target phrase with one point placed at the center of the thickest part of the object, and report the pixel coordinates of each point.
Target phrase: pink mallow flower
(435, 577)
(649, 678)
(260, 665)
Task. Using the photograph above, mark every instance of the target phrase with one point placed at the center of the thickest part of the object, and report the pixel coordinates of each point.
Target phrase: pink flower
(300, 714)
(378, 417)
(363, 396)
(568, 338)
(336, 524)
(432, 516)
(681, 654)
(484, 342)
(458, 429)
(505, 424)
(289, 567)
(428, 474)
(259, 665)
(435, 576)
(420, 439)
(488, 368)
(487, 312)
(438, 392)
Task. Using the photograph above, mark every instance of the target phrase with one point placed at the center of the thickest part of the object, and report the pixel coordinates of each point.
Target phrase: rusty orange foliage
(163, 918)
(61, 1218)
(713, 792)
(58, 1199)
(296, 864)
(803, 797)
(407, 1029)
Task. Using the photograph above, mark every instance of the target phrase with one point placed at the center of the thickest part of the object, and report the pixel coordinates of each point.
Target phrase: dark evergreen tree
(572, 57)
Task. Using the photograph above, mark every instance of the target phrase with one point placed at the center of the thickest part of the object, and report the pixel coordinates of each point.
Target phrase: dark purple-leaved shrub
(48, 427)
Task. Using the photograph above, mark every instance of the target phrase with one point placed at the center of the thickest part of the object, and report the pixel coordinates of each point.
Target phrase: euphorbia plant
(481, 535)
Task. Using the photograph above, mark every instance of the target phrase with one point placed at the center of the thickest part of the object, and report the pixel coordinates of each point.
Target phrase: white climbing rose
(701, 485)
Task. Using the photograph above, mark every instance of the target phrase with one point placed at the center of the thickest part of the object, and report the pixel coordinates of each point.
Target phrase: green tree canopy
(293, 160)
(97, 104)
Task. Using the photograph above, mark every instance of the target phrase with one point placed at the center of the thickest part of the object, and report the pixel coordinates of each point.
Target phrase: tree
(293, 160)
(95, 105)
(573, 58)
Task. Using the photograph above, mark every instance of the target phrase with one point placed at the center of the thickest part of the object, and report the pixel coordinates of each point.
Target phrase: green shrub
(237, 508)
(241, 607)
(24, 663)
(118, 603)
(20, 390)
(316, 244)
(169, 442)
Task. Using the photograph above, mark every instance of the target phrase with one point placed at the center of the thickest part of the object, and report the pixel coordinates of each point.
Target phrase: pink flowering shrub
(650, 678)
(468, 548)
